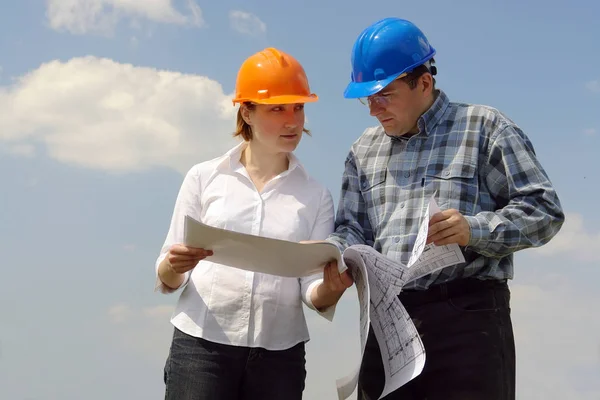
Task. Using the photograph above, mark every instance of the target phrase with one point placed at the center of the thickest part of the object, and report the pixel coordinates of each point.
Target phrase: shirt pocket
(373, 191)
(454, 184)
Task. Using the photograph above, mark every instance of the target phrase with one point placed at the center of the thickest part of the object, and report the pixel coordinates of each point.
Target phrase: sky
(105, 104)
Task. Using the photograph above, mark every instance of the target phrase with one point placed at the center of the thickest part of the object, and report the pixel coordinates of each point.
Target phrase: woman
(240, 334)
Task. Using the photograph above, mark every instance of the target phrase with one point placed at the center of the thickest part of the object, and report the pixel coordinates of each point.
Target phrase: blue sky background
(104, 104)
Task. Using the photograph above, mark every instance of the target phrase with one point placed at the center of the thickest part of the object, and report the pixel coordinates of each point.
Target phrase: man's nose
(375, 108)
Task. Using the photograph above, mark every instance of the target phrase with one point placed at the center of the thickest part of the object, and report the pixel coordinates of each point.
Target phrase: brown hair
(241, 126)
(416, 73)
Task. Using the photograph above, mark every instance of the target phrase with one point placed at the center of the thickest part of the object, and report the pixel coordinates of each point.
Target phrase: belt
(446, 290)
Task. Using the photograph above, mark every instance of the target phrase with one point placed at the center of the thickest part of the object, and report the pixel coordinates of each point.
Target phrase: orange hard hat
(272, 77)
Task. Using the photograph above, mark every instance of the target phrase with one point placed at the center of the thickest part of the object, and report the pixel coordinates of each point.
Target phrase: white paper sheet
(260, 254)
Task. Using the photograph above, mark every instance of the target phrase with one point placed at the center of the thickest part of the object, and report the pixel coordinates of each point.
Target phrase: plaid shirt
(475, 160)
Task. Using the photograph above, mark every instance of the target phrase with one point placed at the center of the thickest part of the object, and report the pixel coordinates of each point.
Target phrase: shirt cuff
(337, 243)
(327, 313)
(159, 286)
(480, 232)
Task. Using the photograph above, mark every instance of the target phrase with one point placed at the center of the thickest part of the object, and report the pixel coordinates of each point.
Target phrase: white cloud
(589, 132)
(557, 331)
(31, 182)
(146, 331)
(101, 16)
(23, 150)
(246, 23)
(130, 247)
(121, 313)
(98, 113)
(593, 86)
(333, 351)
(196, 11)
(573, 240)
(135, 24)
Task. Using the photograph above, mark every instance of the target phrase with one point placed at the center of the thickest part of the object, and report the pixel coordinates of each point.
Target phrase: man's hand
(334, 280)
(332, 288)
(447, 227)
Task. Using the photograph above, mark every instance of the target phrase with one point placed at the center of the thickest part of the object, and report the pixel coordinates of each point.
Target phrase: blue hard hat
(384, 51)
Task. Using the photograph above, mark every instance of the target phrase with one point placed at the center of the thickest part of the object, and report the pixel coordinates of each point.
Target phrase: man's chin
(391, 132)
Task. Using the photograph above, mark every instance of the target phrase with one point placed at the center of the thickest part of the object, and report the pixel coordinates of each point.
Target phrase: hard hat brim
(355, 90)
(287, 99)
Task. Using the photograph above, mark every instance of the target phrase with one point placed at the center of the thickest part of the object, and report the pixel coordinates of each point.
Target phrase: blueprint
(427, 258)
(358, 269)
(378, 281)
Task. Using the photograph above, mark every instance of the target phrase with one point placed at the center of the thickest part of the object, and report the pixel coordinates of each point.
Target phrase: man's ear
(427, 82)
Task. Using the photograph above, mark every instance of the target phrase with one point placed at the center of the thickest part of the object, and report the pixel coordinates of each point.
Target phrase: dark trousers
(197, 369)
(467, 332)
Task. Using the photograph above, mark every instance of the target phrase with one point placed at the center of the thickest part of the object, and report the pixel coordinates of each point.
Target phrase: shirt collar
(433, 115)
(230, 161)
(296, 164)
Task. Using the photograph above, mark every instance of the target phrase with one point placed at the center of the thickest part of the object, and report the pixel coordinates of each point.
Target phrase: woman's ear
(246, 114)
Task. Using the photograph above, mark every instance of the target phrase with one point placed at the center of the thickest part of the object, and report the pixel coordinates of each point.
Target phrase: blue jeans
(197, 369)
(466, 329)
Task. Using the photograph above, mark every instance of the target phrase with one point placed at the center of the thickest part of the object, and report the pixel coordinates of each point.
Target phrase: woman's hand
(182, 259)
(179, 260)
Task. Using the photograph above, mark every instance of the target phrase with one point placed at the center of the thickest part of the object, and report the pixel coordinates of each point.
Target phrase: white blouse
(231, 306)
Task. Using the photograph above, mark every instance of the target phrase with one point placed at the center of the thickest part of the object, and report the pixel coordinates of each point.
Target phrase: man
(495, 199)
